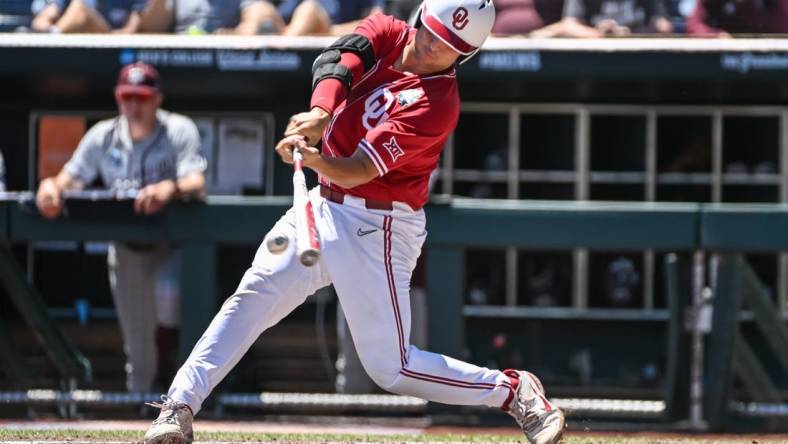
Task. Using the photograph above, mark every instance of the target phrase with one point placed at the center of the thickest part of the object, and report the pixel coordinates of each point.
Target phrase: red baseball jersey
(400, 120)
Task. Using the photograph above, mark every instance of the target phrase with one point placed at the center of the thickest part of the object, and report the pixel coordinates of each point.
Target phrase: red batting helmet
(462, 24)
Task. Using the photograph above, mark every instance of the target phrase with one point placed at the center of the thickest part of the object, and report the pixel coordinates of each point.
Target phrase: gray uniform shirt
(170, 152)
(207, 15)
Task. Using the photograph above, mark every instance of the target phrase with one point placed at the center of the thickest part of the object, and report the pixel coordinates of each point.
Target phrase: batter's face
(431, 54)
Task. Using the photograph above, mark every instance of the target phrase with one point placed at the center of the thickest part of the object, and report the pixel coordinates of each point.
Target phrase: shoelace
(166, 402)
(531, 422)
(168, 407)
(526, 416)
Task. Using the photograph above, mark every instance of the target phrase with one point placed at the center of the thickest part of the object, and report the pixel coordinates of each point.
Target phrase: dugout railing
(454, 225)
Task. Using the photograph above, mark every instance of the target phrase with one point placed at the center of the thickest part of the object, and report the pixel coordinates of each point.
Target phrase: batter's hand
(286, 146)
(48, 199)
(309, 124)
(152, 198)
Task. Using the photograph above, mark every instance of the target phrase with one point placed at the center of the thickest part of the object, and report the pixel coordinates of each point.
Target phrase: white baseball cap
(462, 24)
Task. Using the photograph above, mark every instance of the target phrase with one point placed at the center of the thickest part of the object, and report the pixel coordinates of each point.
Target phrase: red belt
(339, 197)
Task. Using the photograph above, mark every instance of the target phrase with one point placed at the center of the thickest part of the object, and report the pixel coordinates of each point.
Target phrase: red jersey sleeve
(331, 92)
(410, 133)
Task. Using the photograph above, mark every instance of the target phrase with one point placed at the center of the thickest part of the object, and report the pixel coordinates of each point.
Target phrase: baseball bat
(307, 242)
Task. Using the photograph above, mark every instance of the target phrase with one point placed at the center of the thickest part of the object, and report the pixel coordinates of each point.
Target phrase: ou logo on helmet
(375, 108)
(459, 18)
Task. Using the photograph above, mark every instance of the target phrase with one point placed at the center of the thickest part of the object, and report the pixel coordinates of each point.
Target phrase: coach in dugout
(157, 154)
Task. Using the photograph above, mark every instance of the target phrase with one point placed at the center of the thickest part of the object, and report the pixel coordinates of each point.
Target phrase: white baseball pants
(371, 273)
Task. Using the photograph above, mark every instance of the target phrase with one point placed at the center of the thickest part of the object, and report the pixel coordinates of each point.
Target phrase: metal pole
(513, 193)
(716, 156)
(582, 192)
(782, 272)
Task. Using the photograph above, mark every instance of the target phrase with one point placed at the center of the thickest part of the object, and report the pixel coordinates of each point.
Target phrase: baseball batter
(384, 100)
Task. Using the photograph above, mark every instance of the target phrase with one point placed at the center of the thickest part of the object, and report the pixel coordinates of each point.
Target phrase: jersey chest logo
(376, 108)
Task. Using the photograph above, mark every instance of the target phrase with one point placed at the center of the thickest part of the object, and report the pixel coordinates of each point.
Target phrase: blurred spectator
(600, 18)
(156, 154)
(550, 10)
(678, 12)
(333, 17)
(721, 18)
(241, 17)
(89, 16)
(405, 9)
(16, 15)
(514, 17)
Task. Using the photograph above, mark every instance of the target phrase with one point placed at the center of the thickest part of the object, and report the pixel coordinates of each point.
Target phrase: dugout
(636, 120)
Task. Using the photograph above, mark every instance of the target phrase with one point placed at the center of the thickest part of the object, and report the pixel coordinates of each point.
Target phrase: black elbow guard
(358, 44)
(327, 64)
(332, 71)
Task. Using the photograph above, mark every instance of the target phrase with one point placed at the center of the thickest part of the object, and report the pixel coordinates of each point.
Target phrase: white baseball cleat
(541, 421)
(174, 424)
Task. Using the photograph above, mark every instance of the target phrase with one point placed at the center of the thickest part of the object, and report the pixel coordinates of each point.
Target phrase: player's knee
(387, 382)
(385, 378)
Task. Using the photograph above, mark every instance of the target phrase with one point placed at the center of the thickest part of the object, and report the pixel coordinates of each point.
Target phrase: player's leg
(373, 281)
(133, 295)
(81, 17)
(271, 288)
(371, 274)
(309, 18)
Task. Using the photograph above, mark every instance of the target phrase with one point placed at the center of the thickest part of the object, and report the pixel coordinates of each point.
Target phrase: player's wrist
(321, 112)
(315, 162)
